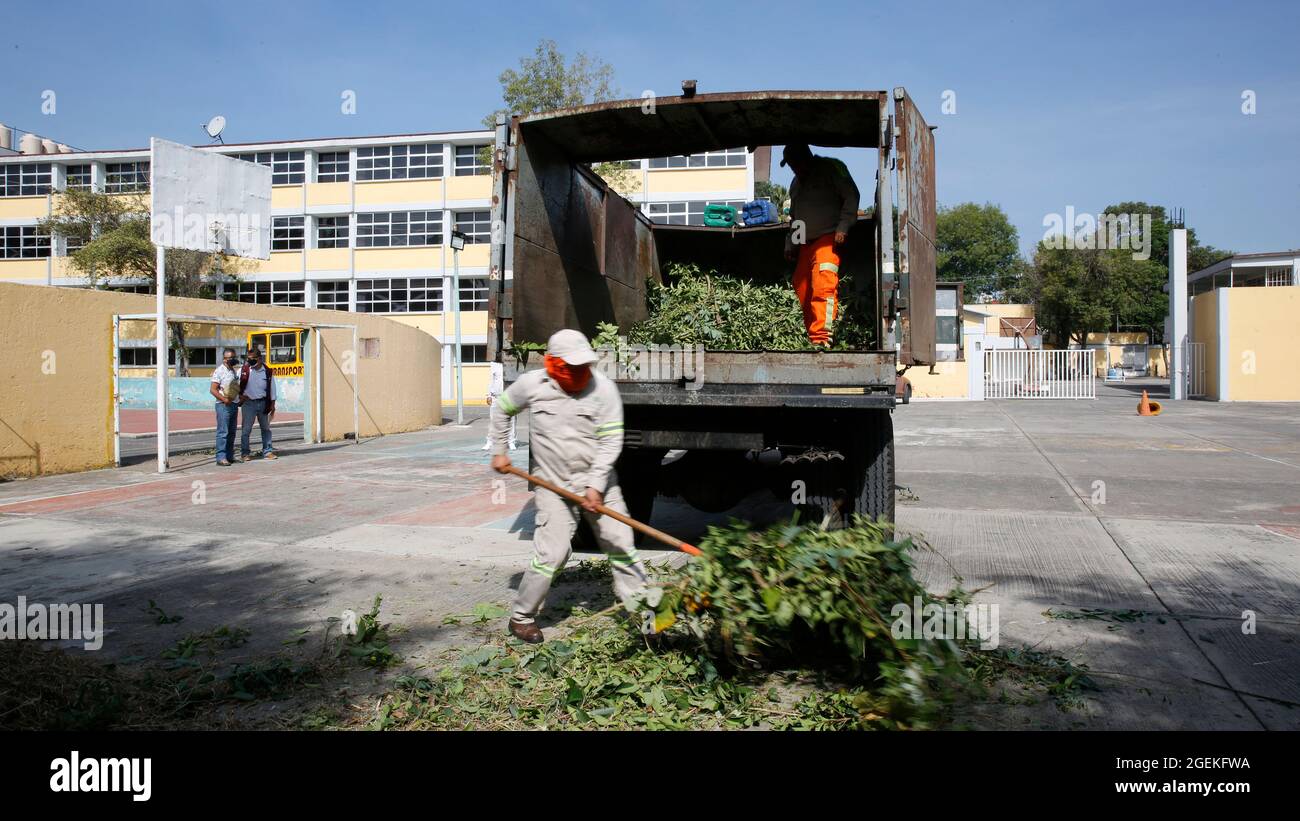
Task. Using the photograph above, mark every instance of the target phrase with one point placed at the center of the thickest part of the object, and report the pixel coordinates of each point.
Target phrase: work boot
(526, 632)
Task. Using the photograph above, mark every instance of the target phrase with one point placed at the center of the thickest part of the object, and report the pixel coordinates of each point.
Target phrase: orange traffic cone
(1148, 408)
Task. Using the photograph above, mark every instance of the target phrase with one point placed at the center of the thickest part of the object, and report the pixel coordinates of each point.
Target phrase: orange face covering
(572, 378)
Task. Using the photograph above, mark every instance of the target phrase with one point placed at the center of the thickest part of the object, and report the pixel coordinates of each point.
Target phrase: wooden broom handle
(653, 533)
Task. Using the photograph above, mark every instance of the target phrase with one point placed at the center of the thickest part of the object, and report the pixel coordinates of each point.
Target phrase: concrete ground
(1170, 527)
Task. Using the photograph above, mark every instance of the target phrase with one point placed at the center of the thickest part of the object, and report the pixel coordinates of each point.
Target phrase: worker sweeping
(823, 207)
(575, 436)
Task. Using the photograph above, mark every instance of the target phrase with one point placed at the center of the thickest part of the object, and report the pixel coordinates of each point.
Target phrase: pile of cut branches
(720, 312)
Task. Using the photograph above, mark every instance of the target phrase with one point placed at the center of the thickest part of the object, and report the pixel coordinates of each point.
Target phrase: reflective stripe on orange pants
(816, 280)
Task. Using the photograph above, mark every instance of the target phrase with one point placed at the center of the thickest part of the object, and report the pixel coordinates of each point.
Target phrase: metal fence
(1194, 353)
(1039, 374)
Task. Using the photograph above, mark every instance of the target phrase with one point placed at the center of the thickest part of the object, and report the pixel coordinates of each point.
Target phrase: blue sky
(1058, 104)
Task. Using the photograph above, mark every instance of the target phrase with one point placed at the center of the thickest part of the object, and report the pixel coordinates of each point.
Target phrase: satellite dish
(215, 126)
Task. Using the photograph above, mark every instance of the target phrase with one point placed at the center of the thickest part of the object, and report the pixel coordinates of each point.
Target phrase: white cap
(572, 347)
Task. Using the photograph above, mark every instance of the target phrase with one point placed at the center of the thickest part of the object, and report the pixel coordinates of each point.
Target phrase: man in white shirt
(257, 400)
(496, 387)
(225, 389)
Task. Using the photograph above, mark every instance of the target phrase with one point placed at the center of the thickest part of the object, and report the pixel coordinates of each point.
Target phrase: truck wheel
(638, 476)
(871, 463)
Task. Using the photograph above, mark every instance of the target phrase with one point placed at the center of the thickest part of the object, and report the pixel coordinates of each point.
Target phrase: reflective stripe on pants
(816, 281)
(557, 521)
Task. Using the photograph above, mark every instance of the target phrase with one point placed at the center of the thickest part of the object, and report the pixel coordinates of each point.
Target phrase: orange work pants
(816, 282)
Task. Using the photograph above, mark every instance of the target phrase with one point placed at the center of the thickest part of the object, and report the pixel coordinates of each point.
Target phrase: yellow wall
(15, 269)
(478, 254)
(478, 187)
(329, 259)
(472, 323)
(16, 208)
(1204, 315)
(476, 379)
(404, 191)
(286, 196)
(56, 398)
(389, 259)
(1263, 326)
(696, 179)
(329, 193)
(281, 262)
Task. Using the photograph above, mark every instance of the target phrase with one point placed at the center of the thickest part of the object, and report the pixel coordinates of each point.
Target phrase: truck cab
(814, 427)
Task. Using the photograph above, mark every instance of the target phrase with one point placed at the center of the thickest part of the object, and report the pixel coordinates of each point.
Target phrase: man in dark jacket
(256, 400)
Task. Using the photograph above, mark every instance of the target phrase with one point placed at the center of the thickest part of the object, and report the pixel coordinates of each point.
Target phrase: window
(332, 295)
(477, 226)
(474, 294)
(472, 354)
(286, 233)
(333, 166)
(73, 243)
(399, 162)
(24, 242)
(469, 162)
(708, 159)
(682, 213)
(399, 296)
(126, 177)
(25, 179)
(284, 348)
(130, 289)
(144, 357)
(399, 228)
(272, 293)
(331, 232)
(287, 167)
(1277, 276)
(203, 356)
(78, 178)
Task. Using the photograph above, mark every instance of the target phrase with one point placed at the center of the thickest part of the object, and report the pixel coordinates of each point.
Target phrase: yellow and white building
(359, 224)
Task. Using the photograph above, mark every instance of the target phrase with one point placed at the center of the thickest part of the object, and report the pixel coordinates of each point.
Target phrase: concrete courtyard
(1172, 530)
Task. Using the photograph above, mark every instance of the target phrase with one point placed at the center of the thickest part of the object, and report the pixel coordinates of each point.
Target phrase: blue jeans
(227, 421)
(254, 408)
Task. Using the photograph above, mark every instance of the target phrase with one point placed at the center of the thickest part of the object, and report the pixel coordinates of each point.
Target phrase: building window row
(287, 167)
(399, 162)
(683, 213)
(26, 179)
(23, 242)
(726, 158)
(399, 229)
(126, 177)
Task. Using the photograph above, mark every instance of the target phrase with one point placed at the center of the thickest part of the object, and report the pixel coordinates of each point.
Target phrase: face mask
(572, 378)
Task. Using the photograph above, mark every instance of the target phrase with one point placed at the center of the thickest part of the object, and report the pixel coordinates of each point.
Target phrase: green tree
(114, 237)
(978, 246)
(1065, 286)
(548, 80)
(775, 192)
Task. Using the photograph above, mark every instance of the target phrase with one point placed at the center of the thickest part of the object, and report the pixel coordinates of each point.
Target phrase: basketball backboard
(204, 201)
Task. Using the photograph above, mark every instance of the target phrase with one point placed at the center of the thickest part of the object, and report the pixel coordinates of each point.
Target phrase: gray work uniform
(574, 441)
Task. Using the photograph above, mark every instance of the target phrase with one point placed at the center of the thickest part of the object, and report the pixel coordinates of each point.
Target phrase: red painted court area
(135, 420)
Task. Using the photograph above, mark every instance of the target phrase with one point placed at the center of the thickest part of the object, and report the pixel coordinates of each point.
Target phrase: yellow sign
(844, 391)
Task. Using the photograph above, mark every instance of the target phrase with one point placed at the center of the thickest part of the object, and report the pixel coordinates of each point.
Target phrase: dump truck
(814, 427)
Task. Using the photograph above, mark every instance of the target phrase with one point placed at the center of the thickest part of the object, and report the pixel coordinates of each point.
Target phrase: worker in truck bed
(575, 435)
(823, 207)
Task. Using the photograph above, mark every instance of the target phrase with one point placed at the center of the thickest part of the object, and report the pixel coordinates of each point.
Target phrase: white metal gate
(1039, 374)
(1194, 354)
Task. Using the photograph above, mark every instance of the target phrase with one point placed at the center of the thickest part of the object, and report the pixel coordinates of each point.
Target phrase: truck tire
(871, 461)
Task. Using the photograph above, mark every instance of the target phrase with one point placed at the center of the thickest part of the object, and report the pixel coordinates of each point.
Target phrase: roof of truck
(666, 126)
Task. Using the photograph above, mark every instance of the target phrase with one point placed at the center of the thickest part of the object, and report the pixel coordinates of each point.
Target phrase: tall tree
(978, 246)
(113, 233)
(1065, 286)
(548, 80)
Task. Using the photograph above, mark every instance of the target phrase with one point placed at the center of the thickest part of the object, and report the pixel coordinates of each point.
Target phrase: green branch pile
(785, 628)
(729, 314)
